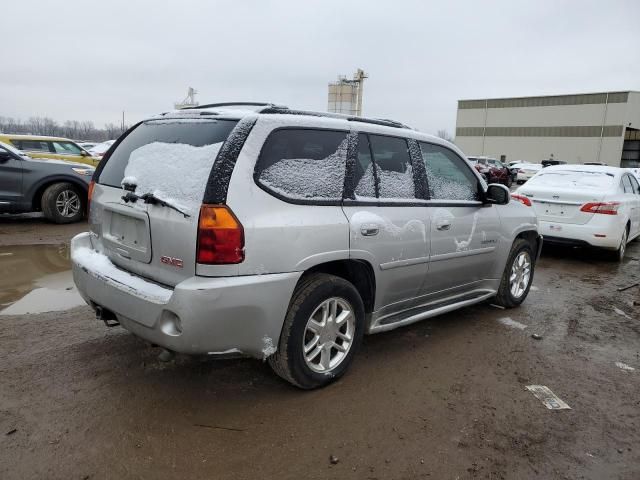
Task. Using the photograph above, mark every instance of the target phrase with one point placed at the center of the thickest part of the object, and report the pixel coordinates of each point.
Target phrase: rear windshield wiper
(150, 198)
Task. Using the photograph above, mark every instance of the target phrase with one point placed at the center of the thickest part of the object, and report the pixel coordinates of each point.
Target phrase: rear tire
(517, 277)
(63, 203)
(303, 335)
(618, 255)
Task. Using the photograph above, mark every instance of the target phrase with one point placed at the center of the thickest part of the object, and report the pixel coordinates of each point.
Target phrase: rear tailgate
(172, 160)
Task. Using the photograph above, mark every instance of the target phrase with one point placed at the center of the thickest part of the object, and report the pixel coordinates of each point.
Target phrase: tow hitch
(107, 316)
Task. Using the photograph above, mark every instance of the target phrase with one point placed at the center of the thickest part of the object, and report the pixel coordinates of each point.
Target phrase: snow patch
(510, 322)
(174, 172)
(625, 367)
(226, 352)
(100, 266)
(464, 244)
(269, 348)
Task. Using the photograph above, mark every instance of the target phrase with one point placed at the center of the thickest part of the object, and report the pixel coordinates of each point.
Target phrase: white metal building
(592, 127)
(345, 95)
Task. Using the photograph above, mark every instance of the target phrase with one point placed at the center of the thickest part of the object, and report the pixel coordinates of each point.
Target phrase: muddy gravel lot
(442, 399)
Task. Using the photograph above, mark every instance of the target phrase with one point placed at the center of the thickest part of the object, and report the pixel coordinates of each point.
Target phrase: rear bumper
(581, 235)
(201, 315)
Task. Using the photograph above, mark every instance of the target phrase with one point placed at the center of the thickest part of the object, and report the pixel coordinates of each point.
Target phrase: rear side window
(393, 166)
(634, 184)
(365, 186)
(32, 145)
(626, 184)
(303, 164)
(194, 133)
(448, 175)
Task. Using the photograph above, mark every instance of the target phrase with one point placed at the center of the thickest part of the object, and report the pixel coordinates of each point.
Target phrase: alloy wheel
(68, 203)
(329, 335)
(520, 274)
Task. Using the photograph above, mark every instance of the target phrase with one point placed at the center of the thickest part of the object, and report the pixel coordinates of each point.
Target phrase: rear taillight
(89, 195)
(605, 208)
(522, 199)
(220, 236)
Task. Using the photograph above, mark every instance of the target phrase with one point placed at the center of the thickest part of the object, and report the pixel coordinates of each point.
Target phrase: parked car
(585, 205)
(101, 148)
(55, 148)
(87, 145)
(492, 170)
(550, 162)
(287, 235)
(524, 171)
(58, 189)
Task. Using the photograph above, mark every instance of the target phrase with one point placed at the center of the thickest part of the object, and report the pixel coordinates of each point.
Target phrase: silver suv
(287, 235)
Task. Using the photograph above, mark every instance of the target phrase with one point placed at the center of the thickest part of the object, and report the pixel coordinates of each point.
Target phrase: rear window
(304, 164)
(194, 133)
(572, 180)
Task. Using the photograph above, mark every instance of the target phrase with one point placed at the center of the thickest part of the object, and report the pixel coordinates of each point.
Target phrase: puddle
(36, 279)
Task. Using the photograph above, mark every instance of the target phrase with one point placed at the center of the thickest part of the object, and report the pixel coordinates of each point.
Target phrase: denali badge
(176, 262)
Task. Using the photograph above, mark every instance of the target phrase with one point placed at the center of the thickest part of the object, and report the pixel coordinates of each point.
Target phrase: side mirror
(84, 153)
(5, 156)
(497, 194)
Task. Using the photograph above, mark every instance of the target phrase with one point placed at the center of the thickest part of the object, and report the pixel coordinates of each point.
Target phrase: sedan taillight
(522, 199)
(604, 208)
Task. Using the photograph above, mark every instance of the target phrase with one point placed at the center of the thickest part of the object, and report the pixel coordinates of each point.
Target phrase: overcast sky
(90, 60)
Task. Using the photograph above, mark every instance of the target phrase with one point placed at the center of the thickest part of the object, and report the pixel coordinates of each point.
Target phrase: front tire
(63, 203)
(322, 331)
(518, 275)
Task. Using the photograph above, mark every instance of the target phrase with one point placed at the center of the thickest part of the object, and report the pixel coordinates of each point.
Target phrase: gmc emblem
(176, 262)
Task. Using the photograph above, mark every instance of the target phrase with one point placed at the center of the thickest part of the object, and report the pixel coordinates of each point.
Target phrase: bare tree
(443, 134)
(74, 129)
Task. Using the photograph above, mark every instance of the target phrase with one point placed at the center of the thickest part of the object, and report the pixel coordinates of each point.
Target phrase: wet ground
(442, 399)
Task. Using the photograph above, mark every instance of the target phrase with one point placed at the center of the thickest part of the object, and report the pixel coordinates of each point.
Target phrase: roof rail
(275, 109)
(231, 104)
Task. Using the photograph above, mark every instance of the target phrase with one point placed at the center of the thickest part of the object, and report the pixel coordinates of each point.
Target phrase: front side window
(448, 175)
(304, 164)
(393, 166)
(66, 148)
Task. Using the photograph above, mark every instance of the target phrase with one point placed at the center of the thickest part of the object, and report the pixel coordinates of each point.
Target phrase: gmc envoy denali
(286, 235)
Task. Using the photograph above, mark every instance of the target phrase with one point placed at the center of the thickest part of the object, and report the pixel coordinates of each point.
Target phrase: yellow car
(55, 148)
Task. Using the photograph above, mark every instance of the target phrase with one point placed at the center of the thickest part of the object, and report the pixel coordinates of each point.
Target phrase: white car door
(635, 215)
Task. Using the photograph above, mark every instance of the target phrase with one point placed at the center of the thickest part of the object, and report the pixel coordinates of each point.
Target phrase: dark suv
(57, 188)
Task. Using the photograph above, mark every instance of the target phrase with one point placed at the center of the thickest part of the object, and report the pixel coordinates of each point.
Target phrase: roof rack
(232, 104)
(275, 109)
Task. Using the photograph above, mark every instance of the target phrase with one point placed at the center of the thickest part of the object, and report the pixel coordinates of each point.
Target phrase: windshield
(572, 180)
(196, 133)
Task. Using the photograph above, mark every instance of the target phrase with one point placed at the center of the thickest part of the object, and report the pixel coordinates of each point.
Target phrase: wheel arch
(358, 272)
(38, 189)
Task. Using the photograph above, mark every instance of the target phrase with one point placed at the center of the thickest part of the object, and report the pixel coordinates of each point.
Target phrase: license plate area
(126, 233)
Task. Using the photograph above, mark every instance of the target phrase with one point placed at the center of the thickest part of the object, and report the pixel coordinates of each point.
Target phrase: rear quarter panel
(515, 219)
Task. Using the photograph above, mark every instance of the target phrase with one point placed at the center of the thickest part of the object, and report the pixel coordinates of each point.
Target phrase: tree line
(73, 129)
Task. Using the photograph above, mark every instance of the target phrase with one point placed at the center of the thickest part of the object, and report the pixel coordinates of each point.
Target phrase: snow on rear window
(174, 172)
(572, 180)
(304, 164)
(394, 184)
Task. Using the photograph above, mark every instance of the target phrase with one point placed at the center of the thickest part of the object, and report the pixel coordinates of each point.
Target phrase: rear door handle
(443, 224)
(369, 230)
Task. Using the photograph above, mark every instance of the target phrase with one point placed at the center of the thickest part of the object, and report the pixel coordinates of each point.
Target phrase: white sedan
(585, 205)
(525, 171)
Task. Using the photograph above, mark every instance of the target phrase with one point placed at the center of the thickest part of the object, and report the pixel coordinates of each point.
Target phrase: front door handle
(369, 230)
(443, 225)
